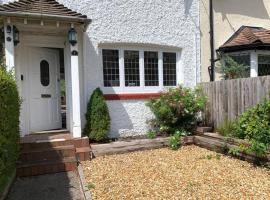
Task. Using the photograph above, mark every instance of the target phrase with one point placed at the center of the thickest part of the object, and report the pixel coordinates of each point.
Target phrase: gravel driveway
(189, 173)
(60, 186)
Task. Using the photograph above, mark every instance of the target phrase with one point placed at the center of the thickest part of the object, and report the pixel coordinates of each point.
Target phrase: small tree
(230, 69)
(97, 117)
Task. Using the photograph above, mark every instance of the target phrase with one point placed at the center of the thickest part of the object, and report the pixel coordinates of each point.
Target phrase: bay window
(241, 59)
(128, 69)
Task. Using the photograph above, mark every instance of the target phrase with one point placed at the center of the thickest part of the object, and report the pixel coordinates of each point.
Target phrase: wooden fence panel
(229, 99)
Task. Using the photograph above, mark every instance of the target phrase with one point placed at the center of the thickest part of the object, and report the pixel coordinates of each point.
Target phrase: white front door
(44, 89)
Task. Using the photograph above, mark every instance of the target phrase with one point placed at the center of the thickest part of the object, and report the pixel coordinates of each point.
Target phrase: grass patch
(91, 186)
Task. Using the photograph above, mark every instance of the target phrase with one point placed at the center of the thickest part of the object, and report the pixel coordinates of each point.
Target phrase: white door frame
(47, 42)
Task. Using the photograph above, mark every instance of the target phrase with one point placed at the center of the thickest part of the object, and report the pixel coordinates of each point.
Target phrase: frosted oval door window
(44, 73)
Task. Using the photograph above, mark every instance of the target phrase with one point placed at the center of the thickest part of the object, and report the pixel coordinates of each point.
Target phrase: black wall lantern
(8, 30)
(72, 36)
(16, 36)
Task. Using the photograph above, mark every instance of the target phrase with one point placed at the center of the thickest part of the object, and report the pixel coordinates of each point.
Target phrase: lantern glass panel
(72, 36)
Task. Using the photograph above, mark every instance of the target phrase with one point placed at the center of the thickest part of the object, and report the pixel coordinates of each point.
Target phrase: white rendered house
(131, 49)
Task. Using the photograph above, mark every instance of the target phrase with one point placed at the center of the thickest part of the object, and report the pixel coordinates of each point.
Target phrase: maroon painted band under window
(131, 96)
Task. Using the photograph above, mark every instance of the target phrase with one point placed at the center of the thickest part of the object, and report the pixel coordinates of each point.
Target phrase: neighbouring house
(241, 30)
(249, 46)
(62, 50)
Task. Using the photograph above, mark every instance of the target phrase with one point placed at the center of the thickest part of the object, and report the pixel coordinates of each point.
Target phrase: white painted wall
(132, 22)
(128, 118)
(162, 23)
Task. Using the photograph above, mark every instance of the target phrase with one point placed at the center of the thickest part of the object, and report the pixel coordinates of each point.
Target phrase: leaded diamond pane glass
(132, 68)
(151, 68)
(264, 65)
(111, 68)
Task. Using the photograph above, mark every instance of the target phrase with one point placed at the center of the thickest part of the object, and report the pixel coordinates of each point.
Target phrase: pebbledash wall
(159, 24)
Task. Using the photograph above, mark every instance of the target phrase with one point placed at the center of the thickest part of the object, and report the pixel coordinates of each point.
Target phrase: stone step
(46, 167)
(45, 144)
(52, 153)
(49, 153)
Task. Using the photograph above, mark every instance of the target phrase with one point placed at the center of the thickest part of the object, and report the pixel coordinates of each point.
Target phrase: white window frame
(122, 89)
(258, 53)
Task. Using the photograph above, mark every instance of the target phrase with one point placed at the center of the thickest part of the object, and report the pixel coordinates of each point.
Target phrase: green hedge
(9, 125)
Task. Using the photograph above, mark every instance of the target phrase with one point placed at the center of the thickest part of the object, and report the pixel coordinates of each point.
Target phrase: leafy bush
(231, 69)
(9, 124)
(254, 123)
(254, 126)
(176, 139)
(177, 109)
(97, 117)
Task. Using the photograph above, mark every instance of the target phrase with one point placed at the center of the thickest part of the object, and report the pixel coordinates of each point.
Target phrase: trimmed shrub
(9, 124)
(97, 117)
(177, 109)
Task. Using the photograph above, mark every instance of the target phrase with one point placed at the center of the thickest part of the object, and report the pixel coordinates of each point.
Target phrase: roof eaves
(84, 20)
(254, 46)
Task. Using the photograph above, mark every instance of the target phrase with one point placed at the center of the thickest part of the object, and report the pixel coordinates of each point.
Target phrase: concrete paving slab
(60, 186)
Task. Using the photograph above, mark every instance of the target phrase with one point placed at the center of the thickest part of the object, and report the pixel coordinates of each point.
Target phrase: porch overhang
(44, 10)
(39, 16)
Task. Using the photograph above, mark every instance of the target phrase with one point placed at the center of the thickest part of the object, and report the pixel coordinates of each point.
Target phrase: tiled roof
(248, 36)
(40, 7)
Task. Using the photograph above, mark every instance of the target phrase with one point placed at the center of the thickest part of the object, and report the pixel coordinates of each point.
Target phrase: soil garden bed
(189, 173)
